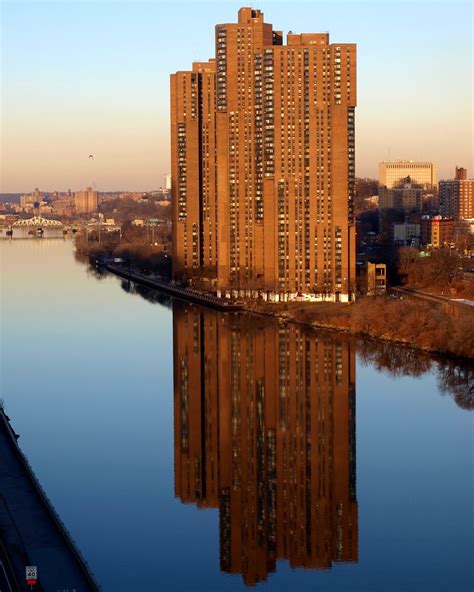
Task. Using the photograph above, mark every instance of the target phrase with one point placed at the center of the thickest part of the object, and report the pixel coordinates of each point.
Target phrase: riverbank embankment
(28, 519)
(441, 328)
(438, 327)
(195, 296)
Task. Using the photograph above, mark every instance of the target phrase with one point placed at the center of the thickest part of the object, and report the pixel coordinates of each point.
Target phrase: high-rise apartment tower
(262, 152)
(86, 201)
(456, 197)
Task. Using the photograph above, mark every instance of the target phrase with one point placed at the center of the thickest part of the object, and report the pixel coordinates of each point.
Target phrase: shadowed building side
(270, 423)
(195, 396)
(193, 145)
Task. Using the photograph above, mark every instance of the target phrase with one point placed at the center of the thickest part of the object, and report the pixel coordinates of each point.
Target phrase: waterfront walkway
(31, 533)
(173, 290)
(431, 297)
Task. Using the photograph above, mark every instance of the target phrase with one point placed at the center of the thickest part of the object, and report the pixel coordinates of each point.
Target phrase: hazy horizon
(84, 78)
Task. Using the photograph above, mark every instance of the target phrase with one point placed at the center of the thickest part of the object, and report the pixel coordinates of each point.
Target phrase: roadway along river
(191, 450)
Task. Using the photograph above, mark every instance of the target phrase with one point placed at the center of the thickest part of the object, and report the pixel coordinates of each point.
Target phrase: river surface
(190, 450)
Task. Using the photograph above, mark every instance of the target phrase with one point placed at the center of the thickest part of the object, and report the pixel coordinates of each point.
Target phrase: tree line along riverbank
(439, 328)
(443, 328)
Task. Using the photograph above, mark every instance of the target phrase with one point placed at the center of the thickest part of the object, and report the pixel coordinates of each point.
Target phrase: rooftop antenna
(92, 167)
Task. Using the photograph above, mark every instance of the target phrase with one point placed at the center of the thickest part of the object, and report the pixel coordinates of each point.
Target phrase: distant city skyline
(93, 78)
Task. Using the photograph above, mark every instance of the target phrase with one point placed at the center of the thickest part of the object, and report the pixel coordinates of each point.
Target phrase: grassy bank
(424, 325)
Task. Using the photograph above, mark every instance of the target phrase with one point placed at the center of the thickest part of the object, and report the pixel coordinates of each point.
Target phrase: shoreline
(176, 291)
(316, 325)
(285, 315)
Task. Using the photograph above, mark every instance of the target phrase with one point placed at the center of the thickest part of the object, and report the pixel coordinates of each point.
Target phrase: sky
(92, 77)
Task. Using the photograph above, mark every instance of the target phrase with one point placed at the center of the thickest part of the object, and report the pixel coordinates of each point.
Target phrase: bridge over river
(37, 222)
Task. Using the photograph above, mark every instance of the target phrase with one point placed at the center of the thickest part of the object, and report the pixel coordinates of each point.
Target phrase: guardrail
(176, 291)
(47, 503)
(437, 298)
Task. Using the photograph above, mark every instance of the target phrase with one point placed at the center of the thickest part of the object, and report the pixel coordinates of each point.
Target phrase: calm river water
(190, 450)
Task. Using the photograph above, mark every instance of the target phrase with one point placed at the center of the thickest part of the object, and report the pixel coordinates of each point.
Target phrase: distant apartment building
(31, 201)
(263, 163)
(63, 207)
(391, 173)
(57, 195)
(376, 278)
(62, 203)
(86, 201)
(37, 196)
(399, 205)
(26, 201)
(456, 196)
(441, 232)
(167, 184)
(406, 195)
(406, 234)
(437, 231)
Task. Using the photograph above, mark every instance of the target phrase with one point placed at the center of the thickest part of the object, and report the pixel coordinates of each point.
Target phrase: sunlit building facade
(264, 424)
(456, 196)
(263, 163)
(85, 201)
(437, 231)
(392, 173)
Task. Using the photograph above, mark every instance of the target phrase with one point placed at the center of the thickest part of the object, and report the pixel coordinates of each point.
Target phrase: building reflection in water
(264, 424)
